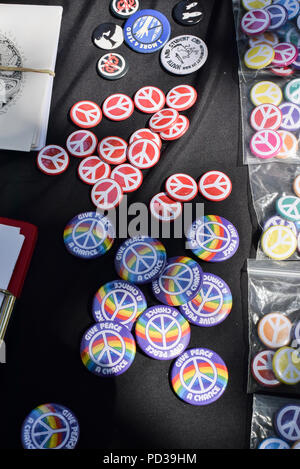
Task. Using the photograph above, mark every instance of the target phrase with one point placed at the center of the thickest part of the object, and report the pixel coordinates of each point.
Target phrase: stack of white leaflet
(29, 36)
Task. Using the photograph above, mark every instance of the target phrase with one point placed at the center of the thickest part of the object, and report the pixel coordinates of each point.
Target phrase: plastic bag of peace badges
(274, 327)
(269, 75)
(276, 198)
(275, 423)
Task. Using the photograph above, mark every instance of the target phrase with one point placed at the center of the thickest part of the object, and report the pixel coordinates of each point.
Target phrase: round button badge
(86, 114)
(266, 116)
(213, 238)
(108, 36)
(107, 349)
(278, 15)
(265, 144)
(163, 120)
(282, 71)
(266, 92)
(177, 130)
(181, 187)
(149, 99)
(118, 107)
(292, 91)
(292, 7)
(179, 282)
(286, 369)
(274, 330)
(212, 305)
(50, 426)
(181, 97)
(89, 235)
(53, 160)
(269, 38)
(143, 154)
(290, 116)
(184, 54)
(112, 66)
(255, 22)
(215, 186)
(288, 207)
(107, 194)
(285, 54)
(254, 4)
(113, 150)
(273, 443)
(82, 143)
(289, 145)
(276, 220)
(259, 56)
(262, 369)
(146, 134)
(287, 422)
(199, 376)
(147, 31)
(164, 208)
(140, 259)
(162, 332)
(279, 242)
(296, 445)
(129, 177)
(92, 169)
(124, 8)
(188, 12)
(120, 302)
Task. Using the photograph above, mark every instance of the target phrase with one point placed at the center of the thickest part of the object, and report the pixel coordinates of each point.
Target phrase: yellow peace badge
(266, 92)
(285, 367)
(279, 242)
(259, 56)
(255, 4)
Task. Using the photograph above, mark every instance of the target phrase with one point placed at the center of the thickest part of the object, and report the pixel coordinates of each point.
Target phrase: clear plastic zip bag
(268, 183)
(273, 288)
(264, 411)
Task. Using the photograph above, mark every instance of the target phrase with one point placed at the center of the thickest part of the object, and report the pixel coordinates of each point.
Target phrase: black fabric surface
(137, 409)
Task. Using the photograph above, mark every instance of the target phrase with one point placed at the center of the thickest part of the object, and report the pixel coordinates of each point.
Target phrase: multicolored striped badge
(199, 376)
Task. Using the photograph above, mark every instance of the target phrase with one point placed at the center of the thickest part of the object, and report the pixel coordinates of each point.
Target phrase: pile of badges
(162, 332)
(148, 31)
(275, 119)
(281, 236)
(286, 428)
(279, 362)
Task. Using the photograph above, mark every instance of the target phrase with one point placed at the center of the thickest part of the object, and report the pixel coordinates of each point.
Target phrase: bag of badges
(276, 198)
(274, 326)
(275, 423)
(268, 39)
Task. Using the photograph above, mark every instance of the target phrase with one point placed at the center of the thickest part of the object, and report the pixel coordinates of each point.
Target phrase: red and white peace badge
(113, 150)
(53, 160)
(163, 120)
(266, 144)
(255, 22)
(266, 116)
(106, 194)
(143, 154)
(146, 134)
(262, 369)
(118, 107)
(92, 169)
(283, 71)
(149, 99)
(181, 98)
(129, 177)
(215, 186)
(164, 208)
(285, 54)
(177, 130)
(86, 114)
(181, 187)
(82, 143)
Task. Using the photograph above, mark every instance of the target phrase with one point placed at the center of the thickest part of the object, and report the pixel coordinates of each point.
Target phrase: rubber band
(25, 69)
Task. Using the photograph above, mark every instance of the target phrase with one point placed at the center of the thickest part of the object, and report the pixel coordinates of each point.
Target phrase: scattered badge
(92, 169)
(289, 145)
(279, 242)
(266, 116)
(285, 54)
(106, 194)
(50, 426)
(259, 56)
(278, 15)
(86, 114)
(124, 8)
(149, 99)
(147, 31)
(129, 177)
(112, 66)
(215, 186)
(292, 7)
(143, 154)
(274, 330)
(265, 144)
(213, 238)
(287, 422)
(212, 305)
(188, 12)
(146, 134)
(89, 235)
(162, 332)
(177, 130)
(181, 187)
(163, 120)
(140, 259)
(53, 160)
(120, 302)
(292, 91)
(181, 97)
(179, 282)
(113, 150)
(285, 368)
(199, 376)
(288, 207)
(164, 208)
(290, 116)
(184, 54)
(255, 22)
(108, 36)
(262, 369)
(107, 349)
(276, 220)
(273, 443)
(82, 143)
(118, 107)
(266, 92)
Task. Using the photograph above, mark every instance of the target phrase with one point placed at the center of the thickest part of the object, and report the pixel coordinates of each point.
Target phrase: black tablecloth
(137, 409)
